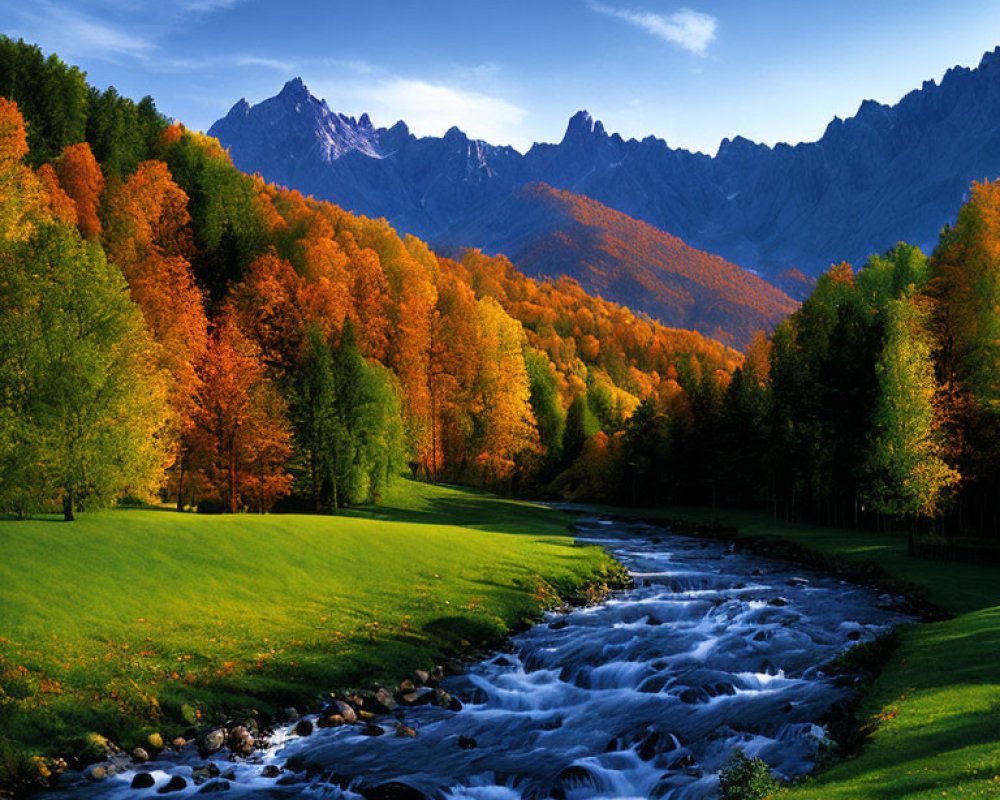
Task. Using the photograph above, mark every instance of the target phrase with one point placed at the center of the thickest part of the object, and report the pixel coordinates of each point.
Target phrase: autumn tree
(81, 178)
(145, 232)
(22, 197)
(84, 400)
(506, 425)
(240, 437)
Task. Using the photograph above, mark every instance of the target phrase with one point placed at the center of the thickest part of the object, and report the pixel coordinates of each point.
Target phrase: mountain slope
(549, 233)
(888, 173)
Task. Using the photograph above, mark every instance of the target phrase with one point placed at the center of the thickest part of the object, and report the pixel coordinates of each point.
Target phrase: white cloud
(270, 63)
(72, 33)
(206, 6)
(692, 30)
(429, 109)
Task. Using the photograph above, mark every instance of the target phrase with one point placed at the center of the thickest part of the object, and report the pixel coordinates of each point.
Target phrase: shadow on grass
(480, 511)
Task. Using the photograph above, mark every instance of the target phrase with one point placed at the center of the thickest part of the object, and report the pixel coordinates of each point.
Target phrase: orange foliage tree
(81, 178)
(240, 438)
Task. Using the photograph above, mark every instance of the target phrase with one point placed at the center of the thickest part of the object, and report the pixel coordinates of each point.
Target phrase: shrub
(746, 778)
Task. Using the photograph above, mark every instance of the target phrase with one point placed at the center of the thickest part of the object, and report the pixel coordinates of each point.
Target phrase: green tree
(371, 418)
(320, 433)
(78, 378)
(910, 478)
(547, 408)
(581, 425)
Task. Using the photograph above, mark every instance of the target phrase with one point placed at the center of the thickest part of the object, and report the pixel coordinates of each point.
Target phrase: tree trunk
(232, 485)
(68, 505)
(180, 483)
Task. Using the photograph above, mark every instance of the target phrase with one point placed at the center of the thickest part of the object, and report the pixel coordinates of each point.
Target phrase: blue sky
(513, 72)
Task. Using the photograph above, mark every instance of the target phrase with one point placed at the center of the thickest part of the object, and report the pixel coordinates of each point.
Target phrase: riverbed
(646, 695)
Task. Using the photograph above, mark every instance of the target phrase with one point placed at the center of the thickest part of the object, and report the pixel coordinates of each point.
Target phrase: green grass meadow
(936, 706)
(134, 621)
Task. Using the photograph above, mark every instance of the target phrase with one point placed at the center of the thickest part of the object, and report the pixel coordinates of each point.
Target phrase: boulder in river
(345, 710)
(303, 728)
(240, 741)
(271, 771)
(203, 773)
(175, 784)
(381, 701)
(213, 741)
(372, 730)
(143, 780)
(394, 790)
(214, 786)
(178, 742)
(405, 731)
(467, 742)
(97, 773)
(139, 756)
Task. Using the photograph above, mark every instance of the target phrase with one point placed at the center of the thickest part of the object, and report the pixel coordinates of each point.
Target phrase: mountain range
(889, 173)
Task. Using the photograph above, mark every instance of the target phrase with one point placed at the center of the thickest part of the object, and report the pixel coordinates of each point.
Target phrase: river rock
(271, 771)
(441, 699)
(381, 702)
(853, 635)
(203, 773)
(240, 741)
(467, 742)
(303, 728)
(331, 721)
(213, 741)
(97, 773)
(345, 710)
(372, 730)
(778, 602)
(394, 790)
(139, 756)
(155, 741)
(422, 676)
(214, 786)
(405, 731)
(143, 780)
(178, 742)
(175, 784)
(407, 686)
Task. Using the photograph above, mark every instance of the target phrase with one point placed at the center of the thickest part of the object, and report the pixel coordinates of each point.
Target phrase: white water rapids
(646, 695)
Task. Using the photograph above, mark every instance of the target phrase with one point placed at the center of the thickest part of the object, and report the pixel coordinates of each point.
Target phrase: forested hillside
(876, 403)
(550, 233)
(171, 326)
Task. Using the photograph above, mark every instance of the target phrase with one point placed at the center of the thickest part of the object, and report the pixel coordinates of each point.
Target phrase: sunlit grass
(127, 622)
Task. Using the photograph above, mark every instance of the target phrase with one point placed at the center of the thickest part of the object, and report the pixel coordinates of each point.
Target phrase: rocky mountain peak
(295, 90)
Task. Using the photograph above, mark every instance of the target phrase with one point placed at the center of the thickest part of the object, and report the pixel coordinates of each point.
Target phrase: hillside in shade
(550, 233)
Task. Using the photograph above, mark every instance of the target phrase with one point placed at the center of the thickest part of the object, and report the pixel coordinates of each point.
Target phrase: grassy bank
(130, 622)
(936, 706)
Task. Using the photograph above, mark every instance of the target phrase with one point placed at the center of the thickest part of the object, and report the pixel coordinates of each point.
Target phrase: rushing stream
(646, 695)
